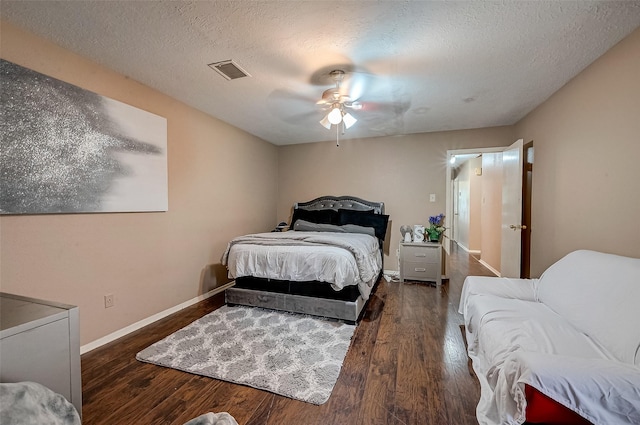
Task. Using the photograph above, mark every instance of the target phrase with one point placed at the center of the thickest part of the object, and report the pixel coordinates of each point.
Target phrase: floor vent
(229, 70)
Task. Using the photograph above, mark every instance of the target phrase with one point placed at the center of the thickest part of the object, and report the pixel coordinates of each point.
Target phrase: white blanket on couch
(604, 392)
(515, 342)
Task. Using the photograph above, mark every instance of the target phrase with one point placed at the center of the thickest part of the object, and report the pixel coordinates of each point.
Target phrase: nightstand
(421, 261)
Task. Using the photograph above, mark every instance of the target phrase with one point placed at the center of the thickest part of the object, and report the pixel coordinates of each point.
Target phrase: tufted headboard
(341, 202)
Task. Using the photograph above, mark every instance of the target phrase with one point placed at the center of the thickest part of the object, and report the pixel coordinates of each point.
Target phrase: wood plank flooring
(407, 364)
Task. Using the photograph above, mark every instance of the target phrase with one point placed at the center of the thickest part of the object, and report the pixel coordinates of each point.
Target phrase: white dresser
(421, 261)
(40, 342)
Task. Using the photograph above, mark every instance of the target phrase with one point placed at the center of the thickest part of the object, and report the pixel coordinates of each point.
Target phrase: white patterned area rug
(293, 355)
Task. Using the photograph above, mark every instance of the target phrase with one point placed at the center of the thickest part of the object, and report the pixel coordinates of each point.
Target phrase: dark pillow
(354, 228)
(366, 219)
(305, 226)
(315, 216)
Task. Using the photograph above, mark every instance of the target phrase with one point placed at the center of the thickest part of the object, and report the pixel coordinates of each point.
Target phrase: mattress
(339, 259)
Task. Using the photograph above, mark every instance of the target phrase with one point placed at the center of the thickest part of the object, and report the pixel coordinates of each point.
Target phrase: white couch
(573, 335)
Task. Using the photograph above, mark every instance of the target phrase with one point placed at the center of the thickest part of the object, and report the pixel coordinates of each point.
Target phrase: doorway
(491, 204)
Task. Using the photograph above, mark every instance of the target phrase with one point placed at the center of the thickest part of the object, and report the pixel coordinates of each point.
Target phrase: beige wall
(400, 171)
(587, 144)
(222, 183)
(475, 204)
(491, 217)
(462, 221)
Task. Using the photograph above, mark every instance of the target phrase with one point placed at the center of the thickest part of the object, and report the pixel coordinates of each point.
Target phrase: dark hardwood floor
(407, 364)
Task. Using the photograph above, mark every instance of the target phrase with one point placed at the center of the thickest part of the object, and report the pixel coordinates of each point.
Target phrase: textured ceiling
(417, 66)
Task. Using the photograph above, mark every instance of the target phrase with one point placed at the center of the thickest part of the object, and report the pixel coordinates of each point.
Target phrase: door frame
(527, 189)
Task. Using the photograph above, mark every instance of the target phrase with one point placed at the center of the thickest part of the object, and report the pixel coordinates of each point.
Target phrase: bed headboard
(340, 202)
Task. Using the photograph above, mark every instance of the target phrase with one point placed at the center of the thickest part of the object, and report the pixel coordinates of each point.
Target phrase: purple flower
(436, 220)
(435, 228)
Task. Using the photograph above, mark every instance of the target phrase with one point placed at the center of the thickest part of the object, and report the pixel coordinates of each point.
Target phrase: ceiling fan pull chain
(338, 135)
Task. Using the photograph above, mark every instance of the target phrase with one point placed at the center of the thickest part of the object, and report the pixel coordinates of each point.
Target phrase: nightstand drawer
(420, 272)
(421, 254)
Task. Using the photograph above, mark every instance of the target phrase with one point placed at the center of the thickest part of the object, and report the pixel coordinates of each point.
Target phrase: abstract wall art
(64, 149)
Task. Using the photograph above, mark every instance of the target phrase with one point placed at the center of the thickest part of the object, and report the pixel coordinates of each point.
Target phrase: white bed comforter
(340, 259)
(515, 340)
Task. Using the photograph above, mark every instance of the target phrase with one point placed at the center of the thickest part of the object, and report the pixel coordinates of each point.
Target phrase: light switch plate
(432, 197)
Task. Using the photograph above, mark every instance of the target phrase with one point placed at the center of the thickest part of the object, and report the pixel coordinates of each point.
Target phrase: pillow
(305, 226)
(354, 228)
(315, 216)
(365, 219)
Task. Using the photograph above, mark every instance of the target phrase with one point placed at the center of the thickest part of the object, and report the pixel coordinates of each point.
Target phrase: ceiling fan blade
(291, 107)
(299, 119)
(288, 96)
(353, 105)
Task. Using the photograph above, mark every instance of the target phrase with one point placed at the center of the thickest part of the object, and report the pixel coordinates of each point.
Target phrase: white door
(511, 210)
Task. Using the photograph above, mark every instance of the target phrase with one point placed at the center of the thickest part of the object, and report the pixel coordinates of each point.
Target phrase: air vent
(229, 70)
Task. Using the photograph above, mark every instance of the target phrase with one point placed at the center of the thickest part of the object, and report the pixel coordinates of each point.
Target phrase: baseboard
(489, 267)
(391, 272)
(464, 248)
(149, 320)
(470, 251)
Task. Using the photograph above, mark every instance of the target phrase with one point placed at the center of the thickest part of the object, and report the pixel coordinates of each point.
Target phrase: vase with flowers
(436, 227)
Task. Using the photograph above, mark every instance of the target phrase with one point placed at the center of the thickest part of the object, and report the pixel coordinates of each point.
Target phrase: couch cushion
(520, 289)
(599, 294)
(498, 326)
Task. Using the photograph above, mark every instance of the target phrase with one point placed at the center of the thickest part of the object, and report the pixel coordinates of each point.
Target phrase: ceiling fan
(337, 103)
(352, 91)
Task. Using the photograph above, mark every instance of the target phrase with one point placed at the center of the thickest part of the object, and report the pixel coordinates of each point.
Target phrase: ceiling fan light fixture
(349, 120)
(335, 116)
(325, 122)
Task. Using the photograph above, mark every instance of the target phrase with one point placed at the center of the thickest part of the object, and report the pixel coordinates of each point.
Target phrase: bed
(326, 264)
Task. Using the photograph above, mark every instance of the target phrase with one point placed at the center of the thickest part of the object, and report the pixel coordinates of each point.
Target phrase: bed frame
(295, 297)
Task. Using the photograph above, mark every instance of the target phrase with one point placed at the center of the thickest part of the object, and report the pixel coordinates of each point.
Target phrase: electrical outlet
(108, 301)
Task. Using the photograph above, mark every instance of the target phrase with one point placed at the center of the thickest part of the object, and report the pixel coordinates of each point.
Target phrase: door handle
(518, 226)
